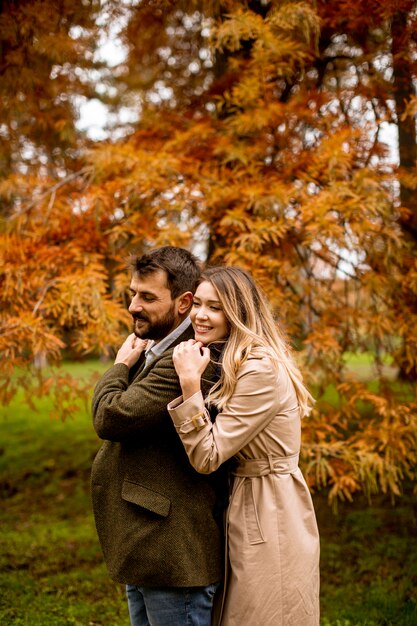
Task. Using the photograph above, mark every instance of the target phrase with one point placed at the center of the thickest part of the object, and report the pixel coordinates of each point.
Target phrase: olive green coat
(155, 515)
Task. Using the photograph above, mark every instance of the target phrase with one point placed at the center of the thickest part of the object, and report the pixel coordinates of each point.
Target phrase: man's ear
(185, 301)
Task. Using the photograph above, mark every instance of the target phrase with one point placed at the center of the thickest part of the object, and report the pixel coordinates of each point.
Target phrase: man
(155, 515)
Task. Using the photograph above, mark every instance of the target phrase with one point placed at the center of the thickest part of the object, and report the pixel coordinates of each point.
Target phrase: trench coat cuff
(190, 414)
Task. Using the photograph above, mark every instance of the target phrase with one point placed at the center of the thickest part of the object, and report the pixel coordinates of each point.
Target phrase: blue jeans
(171, 606)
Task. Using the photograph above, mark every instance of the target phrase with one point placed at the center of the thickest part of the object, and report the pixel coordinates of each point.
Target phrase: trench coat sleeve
(253, 404)
(122, 409)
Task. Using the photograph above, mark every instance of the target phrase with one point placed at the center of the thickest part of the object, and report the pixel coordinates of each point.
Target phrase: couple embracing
(200, 506)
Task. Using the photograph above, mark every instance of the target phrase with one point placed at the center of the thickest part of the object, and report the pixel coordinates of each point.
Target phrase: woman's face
(207, 316)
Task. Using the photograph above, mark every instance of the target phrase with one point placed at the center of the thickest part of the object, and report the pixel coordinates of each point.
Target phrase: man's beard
(154, 330)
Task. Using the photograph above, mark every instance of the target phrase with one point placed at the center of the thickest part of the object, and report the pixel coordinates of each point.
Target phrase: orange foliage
(267, 154)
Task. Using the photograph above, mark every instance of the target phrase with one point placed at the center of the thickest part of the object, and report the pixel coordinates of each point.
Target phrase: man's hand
(131, 350)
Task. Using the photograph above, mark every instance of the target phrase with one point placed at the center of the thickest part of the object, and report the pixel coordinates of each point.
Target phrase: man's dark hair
(182, 268)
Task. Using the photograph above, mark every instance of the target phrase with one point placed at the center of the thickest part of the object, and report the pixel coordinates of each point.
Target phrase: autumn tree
(369, 48)
(53, 291)
(259, 143)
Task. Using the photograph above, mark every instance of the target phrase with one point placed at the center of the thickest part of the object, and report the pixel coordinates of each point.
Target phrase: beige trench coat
(272, 577)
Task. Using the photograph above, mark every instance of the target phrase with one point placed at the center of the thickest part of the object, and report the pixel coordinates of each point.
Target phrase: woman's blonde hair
(252, 326)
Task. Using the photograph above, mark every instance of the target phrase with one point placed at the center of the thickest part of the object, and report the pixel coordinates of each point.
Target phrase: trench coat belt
(269, 465)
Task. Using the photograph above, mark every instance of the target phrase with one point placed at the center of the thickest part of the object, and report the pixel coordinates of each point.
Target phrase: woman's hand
(190, 360)
(131, 350)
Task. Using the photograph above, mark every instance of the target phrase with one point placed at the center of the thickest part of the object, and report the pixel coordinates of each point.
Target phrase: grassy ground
(361, 365)
(369, 564)
(51, 568)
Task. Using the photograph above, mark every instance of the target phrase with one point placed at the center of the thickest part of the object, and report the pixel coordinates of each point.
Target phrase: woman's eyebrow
(209, 301)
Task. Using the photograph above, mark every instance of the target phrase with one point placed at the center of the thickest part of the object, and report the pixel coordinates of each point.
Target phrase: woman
(272, 542)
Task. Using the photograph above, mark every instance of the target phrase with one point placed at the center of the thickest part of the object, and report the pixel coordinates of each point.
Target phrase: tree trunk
(407, 148)
(403, 91)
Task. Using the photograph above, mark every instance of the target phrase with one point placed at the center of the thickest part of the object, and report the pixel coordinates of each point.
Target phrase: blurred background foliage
(276, 135)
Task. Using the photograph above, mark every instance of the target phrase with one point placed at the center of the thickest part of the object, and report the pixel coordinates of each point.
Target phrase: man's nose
(135, 306)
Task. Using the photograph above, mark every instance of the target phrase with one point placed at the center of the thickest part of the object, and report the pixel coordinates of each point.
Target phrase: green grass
(360, 367)
(368, 563)
(51, 568)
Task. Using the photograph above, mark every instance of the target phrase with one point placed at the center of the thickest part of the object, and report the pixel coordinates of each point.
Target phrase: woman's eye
(196, 304)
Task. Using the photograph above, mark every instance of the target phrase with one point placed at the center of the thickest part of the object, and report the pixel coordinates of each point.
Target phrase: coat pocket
(146, 498)
(253, 524)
